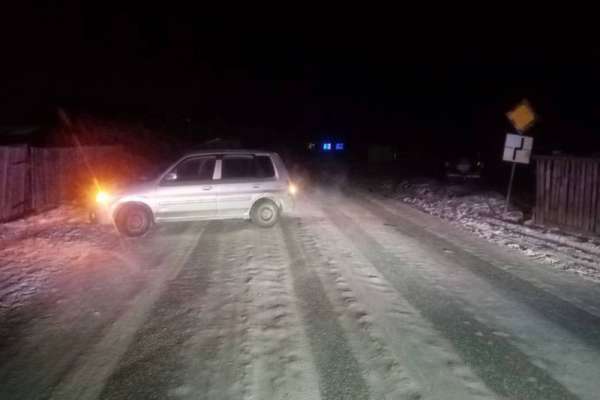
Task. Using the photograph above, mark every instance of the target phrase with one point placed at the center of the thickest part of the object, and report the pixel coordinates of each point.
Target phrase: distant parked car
(464, 168)
(210, 184)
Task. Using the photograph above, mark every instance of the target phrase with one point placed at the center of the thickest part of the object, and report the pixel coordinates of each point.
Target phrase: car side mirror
(170, 177)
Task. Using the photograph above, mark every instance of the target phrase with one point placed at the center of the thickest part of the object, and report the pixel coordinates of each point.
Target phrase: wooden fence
(14, 176)
(35, 179)
(568, 193)
(63, 174)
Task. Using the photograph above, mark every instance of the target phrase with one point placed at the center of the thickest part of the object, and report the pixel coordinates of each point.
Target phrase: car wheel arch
(261, 199)
(141, 204)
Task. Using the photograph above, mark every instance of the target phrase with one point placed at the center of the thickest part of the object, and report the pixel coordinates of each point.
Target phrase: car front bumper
(100, 214)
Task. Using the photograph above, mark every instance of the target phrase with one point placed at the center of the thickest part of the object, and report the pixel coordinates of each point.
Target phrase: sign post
(510, 185)
(517, 148)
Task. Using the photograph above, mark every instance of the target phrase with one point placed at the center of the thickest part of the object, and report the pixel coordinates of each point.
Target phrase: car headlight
(103, 197)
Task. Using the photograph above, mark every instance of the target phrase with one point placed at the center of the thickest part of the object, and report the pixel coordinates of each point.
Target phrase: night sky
(431, 83)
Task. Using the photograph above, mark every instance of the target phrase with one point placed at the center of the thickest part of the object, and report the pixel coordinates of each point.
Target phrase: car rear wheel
(133, 220)
(265, 213)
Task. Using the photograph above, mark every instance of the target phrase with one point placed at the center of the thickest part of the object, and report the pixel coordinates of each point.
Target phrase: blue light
(326, 146)
(339, 146)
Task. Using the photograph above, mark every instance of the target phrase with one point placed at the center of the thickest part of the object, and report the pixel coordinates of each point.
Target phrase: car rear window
(239, 167)
(264, 167)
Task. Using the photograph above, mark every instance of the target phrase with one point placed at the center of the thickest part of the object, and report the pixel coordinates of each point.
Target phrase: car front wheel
(133, 220)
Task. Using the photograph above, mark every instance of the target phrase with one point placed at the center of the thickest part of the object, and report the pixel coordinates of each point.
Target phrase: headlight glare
(293, 189)
(102, 197)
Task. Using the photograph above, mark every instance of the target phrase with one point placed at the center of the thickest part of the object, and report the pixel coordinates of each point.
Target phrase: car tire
(133, 220)
(265, 213)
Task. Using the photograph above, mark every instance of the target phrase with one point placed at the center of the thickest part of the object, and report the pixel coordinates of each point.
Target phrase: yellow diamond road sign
(522, 116)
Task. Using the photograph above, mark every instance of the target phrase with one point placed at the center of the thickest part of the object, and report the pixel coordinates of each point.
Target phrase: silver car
(211, 184)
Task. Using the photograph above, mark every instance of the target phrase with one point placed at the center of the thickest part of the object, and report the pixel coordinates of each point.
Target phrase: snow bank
(482, 212)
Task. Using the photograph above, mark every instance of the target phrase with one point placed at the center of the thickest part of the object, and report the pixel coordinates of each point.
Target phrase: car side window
(238, 167)
(195, 169)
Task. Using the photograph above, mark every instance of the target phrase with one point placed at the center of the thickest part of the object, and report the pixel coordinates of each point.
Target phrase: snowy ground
(36, 252)
(483, 213)
(352, 296)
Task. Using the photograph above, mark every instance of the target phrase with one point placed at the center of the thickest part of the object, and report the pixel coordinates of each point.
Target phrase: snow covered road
(351, 296)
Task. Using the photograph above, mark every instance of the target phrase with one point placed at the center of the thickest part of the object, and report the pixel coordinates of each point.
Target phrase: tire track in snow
(388, 320)
(211, 358)
(282, 363)
(217, 359)
(252, 345)
(246, 340)
(571, 361)
(340, 376)
(569, 288)
(384, 375)
(79, 315)
(504, 368)
(152, 363)
(89, 373)
(579, 322)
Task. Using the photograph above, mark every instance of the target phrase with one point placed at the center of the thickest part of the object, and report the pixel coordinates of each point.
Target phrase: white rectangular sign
(517, 148)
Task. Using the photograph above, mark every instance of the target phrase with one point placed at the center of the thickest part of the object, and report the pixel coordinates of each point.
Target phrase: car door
(188, 191)
(238, 185)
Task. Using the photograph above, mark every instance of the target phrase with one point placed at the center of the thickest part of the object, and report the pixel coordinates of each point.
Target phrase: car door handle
(206, 187)
(256, 186)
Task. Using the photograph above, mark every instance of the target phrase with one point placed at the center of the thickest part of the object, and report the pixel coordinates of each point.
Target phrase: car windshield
(152, 172)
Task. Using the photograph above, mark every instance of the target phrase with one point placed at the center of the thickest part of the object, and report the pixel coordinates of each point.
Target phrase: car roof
(227, 151)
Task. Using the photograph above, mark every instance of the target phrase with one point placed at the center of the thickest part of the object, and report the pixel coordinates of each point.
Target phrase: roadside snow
(482, 212)
(35, 250)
